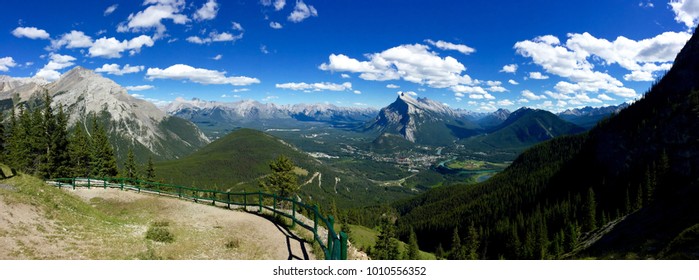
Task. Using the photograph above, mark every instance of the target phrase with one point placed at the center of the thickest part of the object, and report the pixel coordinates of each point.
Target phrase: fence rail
(334, 246)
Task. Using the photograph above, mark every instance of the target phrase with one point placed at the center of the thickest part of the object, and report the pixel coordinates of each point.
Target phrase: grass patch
(364, 237)
(159, 232)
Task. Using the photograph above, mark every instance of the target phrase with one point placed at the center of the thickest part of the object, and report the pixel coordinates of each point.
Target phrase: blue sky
(477, 55)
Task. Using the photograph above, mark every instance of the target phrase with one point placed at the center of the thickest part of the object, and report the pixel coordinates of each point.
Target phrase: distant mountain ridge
(130, 122)
(588, 117)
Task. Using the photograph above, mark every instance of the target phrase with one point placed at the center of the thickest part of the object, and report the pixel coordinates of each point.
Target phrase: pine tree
(19, 142)
(439, 252)
(457, 252)
(130, 168)
(282, 180)
(2, 138)
(60, 157)
(150, 170)
(473, 243)
(103, 161)
(48, 128)
(413, 247)
(590, 211)
(386, 247)
(80, 150)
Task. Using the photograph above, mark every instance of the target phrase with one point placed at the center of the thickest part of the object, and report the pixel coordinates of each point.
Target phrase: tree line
(36, 140)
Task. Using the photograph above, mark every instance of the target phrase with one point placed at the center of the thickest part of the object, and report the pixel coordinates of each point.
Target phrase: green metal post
(343, 245)
(73, 183)
(293, 213)
(104, 181)
(331, 238)
(88, 183)
(213, 198)
(229, 200)
(122, 184)
(245, 200)
(274, 202)
(260, 204)
(315, 219)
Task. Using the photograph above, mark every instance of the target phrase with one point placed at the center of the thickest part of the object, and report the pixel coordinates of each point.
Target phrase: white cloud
(110, 9)
(56, 62)
(411, 93)
(270, 98)
(686, 11)
(604, 97)
(523, 100)
(505, 102)
(152, 17)
(198, 75)
(316, 86)
(263, 49)
(639, 76)
(302, 12)
(241, 90)
(215, 37)
(412, 63)
(537, 76)
(510, 68)
(647, 4)
(112, 48)
(72, 40)
(6, 63)
(207, 11)
(237, 26)
(139, 88)
(559, 60)
(357, 92)
(31, 33)
(392, 86)
(513, 82)
(279, 5)
(531, 96)
(345, 76)
(451, 46)
(114, 69)
(217, 57)
(275, 25)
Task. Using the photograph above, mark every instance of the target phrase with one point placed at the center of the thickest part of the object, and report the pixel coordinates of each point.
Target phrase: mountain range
(130, 122)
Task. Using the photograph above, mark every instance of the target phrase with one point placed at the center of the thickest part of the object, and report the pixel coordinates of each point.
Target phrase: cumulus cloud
(604, 97)
(537, 76)
(562, 61)
(152, 17)
(345, 76)
(686, 11)
(112, 48)
(56, 62)
(302, 12)
(207, 11)
(110, 9)
(115, 69)
(392, 86)
(510, 68)
(513, 82)
(217, 57)
(495, 86)
(531, 96)
(31, 33)
(451, 46)
(237, 26)
(316, 86)
(215, 37)
(6, 63)
(72, 40)
(139, 88)
(412, 63)
(279, 4)
(241, 90)
(505, 102)
(198, 75)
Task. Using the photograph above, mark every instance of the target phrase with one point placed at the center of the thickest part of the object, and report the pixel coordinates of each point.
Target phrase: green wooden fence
(334, 247)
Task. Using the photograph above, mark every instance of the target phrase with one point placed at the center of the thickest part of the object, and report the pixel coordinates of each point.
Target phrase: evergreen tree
(2, 137)
(48, 128)
(150, 170)
(19, 142)
(103, 162)
(590, 211)
(80, 150)
(572, 237)
(457, 252)
(60, 157)
(386, 247)
(413, 247)
(282, 180)
(471, 247)
(439, 252)
(130, 169)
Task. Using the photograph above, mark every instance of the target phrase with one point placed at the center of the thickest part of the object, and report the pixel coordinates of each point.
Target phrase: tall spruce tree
(103, 161)
(130, 169)
(48, 128)
(19, 141)
(386, 247)
(150, 170)
(60, 156)
(590, 211)
(80, 149)
(282, 180)
(413, 247)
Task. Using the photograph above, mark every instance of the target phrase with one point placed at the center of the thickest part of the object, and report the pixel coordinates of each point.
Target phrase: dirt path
(274, 241)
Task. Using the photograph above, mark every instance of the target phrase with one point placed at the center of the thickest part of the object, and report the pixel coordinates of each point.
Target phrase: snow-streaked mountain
(253, 114)
(422, 121)
(588, 117)
(494, 119)
(130, 121)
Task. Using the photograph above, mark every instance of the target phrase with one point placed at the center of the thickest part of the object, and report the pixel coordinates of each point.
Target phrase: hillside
(238, 160)
(521, 129)
(631, 183)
